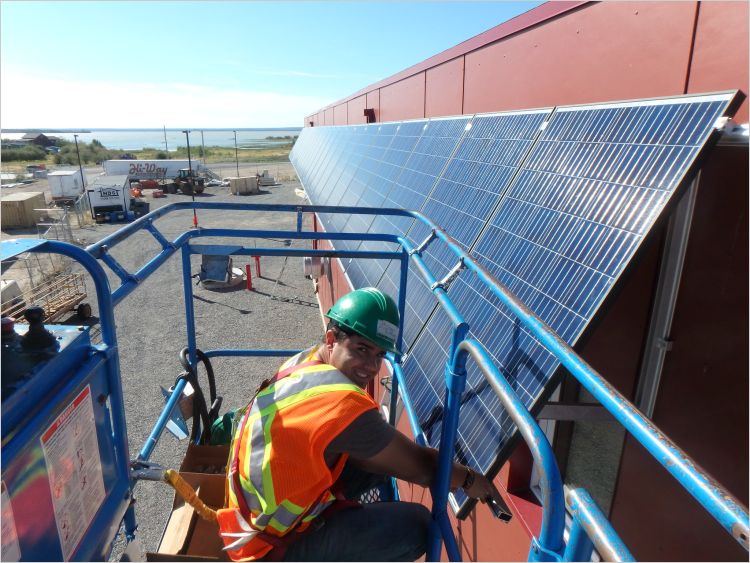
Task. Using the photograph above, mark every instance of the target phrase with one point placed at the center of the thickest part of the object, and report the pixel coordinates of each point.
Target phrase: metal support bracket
(452, 275)
(423, 244)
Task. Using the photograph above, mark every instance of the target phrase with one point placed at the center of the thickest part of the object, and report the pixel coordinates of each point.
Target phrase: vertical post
(203, 148)
(455, 382)
(166, 146)
(236, 158)
(257, 265)
(400, 337)
(190, 174)
(80, 168)
(665, 300)
(579, 547)
(315, 230)
(249, 277)
(189, 309)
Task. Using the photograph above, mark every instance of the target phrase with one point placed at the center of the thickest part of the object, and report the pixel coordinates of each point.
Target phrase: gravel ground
(151, 327)
(151, 331)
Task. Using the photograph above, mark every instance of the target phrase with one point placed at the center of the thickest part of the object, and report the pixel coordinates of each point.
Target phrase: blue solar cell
(563, 232)
(464, 196)
(554, 206)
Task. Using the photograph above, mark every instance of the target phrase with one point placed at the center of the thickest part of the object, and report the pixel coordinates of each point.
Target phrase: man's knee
(419, 517)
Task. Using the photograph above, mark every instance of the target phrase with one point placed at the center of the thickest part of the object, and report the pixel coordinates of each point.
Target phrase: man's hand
(481, 488)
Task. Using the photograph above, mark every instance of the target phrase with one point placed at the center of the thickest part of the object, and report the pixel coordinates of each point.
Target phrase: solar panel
(463, 197)
(590, 189)
(555, 207)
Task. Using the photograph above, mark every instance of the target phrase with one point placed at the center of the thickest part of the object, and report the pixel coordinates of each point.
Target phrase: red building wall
(356, 109)
(444, 89)
(575, 52)
(403, 99)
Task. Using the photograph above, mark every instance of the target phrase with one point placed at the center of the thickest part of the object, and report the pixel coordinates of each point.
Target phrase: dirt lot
(281, 312)
(282, 171)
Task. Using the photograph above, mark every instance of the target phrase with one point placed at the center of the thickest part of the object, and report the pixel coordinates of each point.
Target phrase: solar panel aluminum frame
(463, 509)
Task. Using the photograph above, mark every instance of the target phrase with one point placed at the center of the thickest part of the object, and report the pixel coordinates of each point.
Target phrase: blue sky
(213, 64)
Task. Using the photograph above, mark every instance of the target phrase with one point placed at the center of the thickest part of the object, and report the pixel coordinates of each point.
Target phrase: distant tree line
(92, 152)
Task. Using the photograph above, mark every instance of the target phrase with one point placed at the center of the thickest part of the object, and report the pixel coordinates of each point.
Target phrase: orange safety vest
(278, 481)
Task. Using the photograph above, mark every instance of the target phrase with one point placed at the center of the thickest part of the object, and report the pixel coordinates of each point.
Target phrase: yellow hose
(187, 492)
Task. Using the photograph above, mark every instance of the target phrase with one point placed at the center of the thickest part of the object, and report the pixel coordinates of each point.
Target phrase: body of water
(136, 139)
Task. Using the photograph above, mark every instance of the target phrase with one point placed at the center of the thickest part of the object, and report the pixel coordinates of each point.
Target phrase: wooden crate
(17, 211)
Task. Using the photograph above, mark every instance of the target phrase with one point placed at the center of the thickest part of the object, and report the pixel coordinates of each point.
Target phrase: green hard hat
(370, 313)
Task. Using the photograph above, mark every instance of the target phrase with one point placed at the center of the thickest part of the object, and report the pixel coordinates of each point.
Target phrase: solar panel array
(554, 203)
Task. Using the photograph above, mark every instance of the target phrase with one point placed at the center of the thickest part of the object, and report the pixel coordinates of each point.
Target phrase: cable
(201, 413)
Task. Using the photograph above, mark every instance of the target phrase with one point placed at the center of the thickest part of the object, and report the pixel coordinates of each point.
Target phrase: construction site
(568, 255)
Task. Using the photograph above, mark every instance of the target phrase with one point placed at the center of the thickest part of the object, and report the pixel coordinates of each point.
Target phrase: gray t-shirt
(366, 436)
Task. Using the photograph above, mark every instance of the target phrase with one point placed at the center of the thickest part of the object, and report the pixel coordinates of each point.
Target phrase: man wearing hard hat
(312, 439)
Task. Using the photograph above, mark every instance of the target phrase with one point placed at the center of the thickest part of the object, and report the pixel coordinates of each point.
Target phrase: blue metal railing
(589, 528)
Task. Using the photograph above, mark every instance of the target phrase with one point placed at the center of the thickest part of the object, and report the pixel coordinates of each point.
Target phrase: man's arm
(408, 461)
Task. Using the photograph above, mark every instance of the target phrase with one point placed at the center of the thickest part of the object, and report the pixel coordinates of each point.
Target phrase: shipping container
(65, 184)
(148, 169)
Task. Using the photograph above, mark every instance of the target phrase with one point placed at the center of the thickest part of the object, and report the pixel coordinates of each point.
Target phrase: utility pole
(80, 168)
(190, 166)
(190, 179)
(203, 148)
(166, 147)
(236, 158)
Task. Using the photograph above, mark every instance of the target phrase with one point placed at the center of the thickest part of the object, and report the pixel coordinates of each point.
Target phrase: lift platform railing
(718, 502)
(722, 506)
(588, 521)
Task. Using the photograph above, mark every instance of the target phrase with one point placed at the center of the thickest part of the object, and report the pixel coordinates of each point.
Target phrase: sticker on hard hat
(387, 330)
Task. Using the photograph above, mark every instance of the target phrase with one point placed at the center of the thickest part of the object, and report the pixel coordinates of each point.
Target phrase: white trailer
(148, 169)
(109, 194)
(65, 184)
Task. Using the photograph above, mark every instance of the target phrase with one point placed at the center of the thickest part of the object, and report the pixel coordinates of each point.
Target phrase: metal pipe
(252, 353)
(553, 503)
(579, 546)
(416, 428)
(189, 307)
(404, 276)
(136, 225)
(597, 531)
(455, 383)
(161, 422)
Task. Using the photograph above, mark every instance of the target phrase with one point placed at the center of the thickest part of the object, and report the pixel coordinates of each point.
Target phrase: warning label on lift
(71, 450)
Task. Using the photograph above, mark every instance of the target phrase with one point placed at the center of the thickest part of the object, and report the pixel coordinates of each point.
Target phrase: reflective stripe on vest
(295, 406)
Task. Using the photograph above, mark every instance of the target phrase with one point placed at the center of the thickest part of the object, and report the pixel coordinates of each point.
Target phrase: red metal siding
(720, 60)
(445, 88)
(607, 51)
(403, 100)
(533, 17)
(577, 52)
(340, 116)
(356, 110)
(328, 118)
(373, 101)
